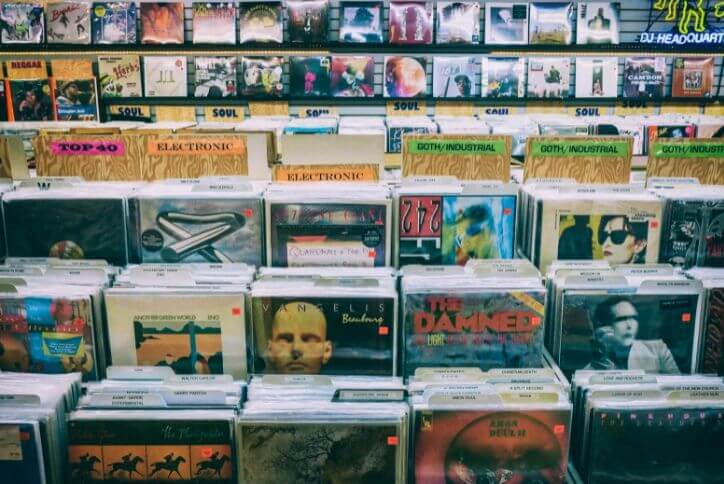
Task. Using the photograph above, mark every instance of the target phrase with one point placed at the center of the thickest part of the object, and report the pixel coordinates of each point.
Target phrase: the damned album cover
(262, 76)
(352, 76)
(307, 20)
(410, 22)
(309, 76)
(22, 23)
(114, 22)
(454, 77)
(120, 76)
(502, 77)
(162, 22)
(68, 23)
(215, 77)
(323, 335)
(361, 22)
(261, 22)
(214, 23)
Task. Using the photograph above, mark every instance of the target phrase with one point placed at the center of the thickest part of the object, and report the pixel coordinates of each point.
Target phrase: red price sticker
(393, 440)
(507, 211)
(206, 452)
(236, 311)
(686, 317)
(248, 212)
(535, 321)
(654, 224)
(383, 330)
(559, 429)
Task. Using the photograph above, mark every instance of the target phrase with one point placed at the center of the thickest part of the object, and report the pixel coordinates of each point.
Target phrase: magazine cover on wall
(692, 77)
(75, 99)
(454, 77)
(31, 100)
(596, 77)
(410, 22)
(502, 77)
(262, 76)
(458, 22)
(309, 76)
(165, 76)
(551, 23)
(261, 22)
(214, 23)
(644, 77)
(548, 77)
(352, 76)
(405, 76)
(307, 20)
(114, 22)
(215, 77)
(120, 76)
(598, 23)
(361, 22)
(22, 23)
(506, 23)
(68, 23)
(162, 22)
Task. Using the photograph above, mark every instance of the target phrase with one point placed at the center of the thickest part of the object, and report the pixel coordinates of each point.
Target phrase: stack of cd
(398, 126)
(631, 427)
(488, 314)
(449, 223)
(632, 317)
(491, 433)
(328, 224)
(33, 425)
(712, 347)
(191, 319)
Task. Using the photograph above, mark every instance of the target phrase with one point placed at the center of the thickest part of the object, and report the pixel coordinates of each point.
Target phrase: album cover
(3, 102)
(22, 23)
(491, 446)
(548, 77)
(395, 134)
(405, 76)
(193, 332)
(713, 360)
(165, 76)
(692, 77)
(47, 335)
(506, 23)
(68, 228)
(410, 22)
(215, 77)
(353, 76)
(644, 77)
(309, 76)
(458, 22)
(342, 335)
(307, 20)
(22, 454)
(693, 234)
(652, 332)
(596, 77)
(262, 76)
(452, 229)
(68, 23)
(502, 77)
(31, 100)
(598, 23)
(551, 23)
(261, 22)
(114, 22)
(361, 22)
(673, 131)
(162, 22)
(670, 444)
(201, 229)
(75, 99)
(334, 451)
(454, 77)
(122, 449)
(214, 23)
(120, 76)
(328, 234)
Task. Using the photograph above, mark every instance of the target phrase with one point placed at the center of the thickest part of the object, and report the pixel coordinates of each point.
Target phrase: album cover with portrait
(68, 22)
(454, 77)
(692, 77)
(598, 23)
(551, 23)
(214, 23)
(337, 335)
(458, 22)
(361, 22)
(405, 76)
(506, 23)
(162, 22)
(309, 76)
(352, 76)
(549, 77)
(307, 21)
(262, 76)
(114, 22)
(644, 77)
(261, 22)
(410, 22)
(502, 77)
(75, 99)
(29, 100)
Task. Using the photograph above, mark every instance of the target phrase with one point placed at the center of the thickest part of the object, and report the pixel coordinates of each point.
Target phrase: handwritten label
(224, 114)
(88, 148)
(316, 173)
(196, 145)
(317, 112)
(407, 108)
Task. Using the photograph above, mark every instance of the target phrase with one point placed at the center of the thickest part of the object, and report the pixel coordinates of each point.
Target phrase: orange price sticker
(393, 440)
(383, 330)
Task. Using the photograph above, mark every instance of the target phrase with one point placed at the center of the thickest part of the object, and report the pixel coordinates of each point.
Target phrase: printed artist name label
(580, 148)
(454, 147)
(317, 173)
(88, 148)
(709, 149)
(181, 146)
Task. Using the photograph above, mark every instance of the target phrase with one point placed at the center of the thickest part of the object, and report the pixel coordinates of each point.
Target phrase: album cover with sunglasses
(452, 229)
(197, 229)
(601, 330)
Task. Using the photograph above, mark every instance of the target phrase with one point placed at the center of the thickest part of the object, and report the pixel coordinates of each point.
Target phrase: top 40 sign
(693, 22)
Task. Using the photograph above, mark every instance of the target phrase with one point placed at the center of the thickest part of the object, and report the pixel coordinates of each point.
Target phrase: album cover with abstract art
(506, 23)
(353, 76)
(405, 76)
(361, 22)
(262, 76)
(410, 22)
(309, 76)
(165, 76)
(22, 23)
(458, 22)
(162, 22)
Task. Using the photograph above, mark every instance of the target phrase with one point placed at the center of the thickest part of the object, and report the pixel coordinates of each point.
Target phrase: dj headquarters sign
(691, 23)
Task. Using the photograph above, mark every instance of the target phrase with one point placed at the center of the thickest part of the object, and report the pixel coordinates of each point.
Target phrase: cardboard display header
(702, 159)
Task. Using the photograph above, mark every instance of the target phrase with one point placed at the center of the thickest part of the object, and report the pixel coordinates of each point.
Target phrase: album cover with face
(214, 23)
(551, 23)
(75, 99)
(598, 23)
(458, 22)
(114, 22)
(692, 77)
(644, 77)
(262, 76)
(405, 76)
(323, 335)
(261, 22)
(307, 20)
(120, 76)
(361, 22)
(30, 100)
(352, 76)
(162, 22)
(506, 23)
(596, 77)
(454, 77)
(502, 77)
(68, 23)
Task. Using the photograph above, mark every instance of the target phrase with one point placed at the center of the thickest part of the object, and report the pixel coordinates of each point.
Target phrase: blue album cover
(114, 22)
(20, 453)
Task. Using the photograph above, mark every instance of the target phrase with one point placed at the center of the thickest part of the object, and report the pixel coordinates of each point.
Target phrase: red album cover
(162, 23)
(692, 77)
(410, 23)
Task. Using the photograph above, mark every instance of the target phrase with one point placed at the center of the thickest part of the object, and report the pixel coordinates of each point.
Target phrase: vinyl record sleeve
(31, 100)
(261, 22)
(120, 76)
(75, 99)
(395, 134)
(307, 20)
(339, 335)
(215, 77)
(598, 23)
(191, 331)
(309, 76)
(3, 102)
(22, 23)
(502, 77)
(644, 77)
(454, 77)
(361, 22)
(551, 23)
(549, 77)
(262, 76)
(162, 22)
(491, 445)
(69, 228)
(410, 22)
(114, 22)
(458, 22)
(692, 77)
(713, 346)
(22, 454)
(214, 23)
(352, 76)
(68, 23)
(405, 77)
(165, 76)
(506, 23)
(692, 233)
(596, 77)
